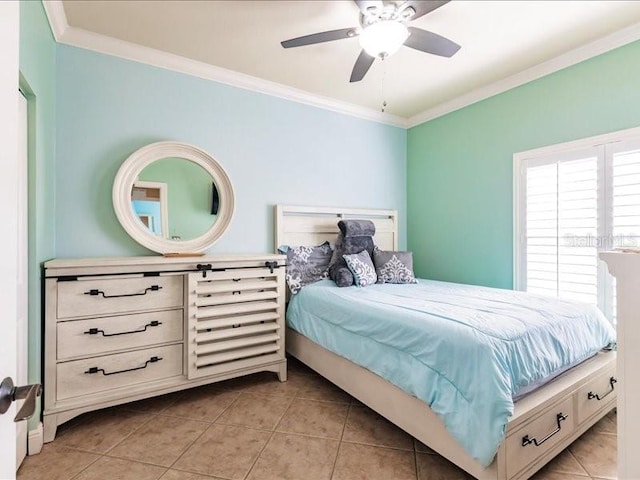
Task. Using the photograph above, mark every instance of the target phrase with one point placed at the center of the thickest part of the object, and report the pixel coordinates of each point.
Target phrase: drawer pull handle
(236, 292)
(612, 382)
(204, 268)
(95, 331)
(236, 279)
(94, 292)
(527, 441)
(271, 265)
(93, 370)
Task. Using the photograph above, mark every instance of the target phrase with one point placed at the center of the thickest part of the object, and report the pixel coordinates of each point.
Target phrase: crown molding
(57, 17)
(77, 37)
(577, 55)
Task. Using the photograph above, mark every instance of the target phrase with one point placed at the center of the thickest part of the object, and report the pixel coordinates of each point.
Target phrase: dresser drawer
(105, 296)
(237, 290)
(96, 336)
(521, 448)
(92, 375)
(597, 392)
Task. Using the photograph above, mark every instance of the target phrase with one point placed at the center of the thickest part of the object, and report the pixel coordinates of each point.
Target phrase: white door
(9, 68)
(22, 325)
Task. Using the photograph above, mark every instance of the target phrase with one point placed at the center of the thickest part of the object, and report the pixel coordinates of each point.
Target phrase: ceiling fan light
(383, 38)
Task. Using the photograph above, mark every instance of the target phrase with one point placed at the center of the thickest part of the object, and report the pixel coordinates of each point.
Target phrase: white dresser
(123, 329)
(626, 268)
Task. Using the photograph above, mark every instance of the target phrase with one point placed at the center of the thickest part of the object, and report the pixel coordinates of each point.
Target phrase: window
(571, 202)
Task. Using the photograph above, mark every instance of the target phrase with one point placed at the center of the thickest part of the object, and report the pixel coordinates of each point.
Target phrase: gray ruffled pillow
(394, 267)
(306, 265)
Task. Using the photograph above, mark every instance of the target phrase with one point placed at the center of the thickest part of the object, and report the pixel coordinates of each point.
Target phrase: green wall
(37, 81)
(188, 192)
(459, 166)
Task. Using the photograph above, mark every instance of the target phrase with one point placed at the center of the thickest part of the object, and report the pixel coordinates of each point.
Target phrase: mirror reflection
(175, 198)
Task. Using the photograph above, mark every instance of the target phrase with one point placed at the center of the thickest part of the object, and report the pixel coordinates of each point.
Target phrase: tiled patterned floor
(257, 428)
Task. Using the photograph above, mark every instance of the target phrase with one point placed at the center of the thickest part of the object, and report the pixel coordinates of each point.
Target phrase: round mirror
(173, 198)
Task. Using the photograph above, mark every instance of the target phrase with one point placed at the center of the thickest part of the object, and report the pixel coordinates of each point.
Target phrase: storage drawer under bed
(596, 393)
(539, 436)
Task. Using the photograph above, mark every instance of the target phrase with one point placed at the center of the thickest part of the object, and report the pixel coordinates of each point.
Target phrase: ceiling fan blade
(364, 5)
(320, 37)
(430, 42)
(422, 7)
(362, 66)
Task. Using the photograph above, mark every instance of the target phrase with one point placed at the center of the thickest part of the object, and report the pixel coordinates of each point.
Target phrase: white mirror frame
(128, 175)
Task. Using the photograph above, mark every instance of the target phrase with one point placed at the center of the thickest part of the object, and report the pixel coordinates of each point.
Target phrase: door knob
(10, 393)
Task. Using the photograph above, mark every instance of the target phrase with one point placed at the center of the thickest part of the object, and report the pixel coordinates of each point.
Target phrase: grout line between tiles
(211, 422)
(80, 449)
(306, 399)
(378, 446)
(344, 427)
(203, 432)
(178, 396)
(124, 460)
(568, 448)
(77, 474)
(144, 462)
(153, 416)
(261, 394)
(270, 437)
(322, 400)
(306, 435)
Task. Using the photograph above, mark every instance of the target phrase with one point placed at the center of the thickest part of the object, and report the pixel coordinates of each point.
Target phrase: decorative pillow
(361, 266)
(394, 267)
(354, 237)
(357, 228)
(306, 265)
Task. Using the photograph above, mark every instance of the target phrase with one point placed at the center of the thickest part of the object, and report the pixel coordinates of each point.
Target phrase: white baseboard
(35, 440)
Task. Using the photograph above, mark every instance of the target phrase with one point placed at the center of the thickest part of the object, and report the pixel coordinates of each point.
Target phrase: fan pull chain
(384, 76)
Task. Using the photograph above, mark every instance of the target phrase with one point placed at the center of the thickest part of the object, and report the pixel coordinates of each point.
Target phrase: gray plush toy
(354, 237)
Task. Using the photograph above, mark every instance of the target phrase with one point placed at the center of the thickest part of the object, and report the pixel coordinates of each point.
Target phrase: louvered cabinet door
(235, 320)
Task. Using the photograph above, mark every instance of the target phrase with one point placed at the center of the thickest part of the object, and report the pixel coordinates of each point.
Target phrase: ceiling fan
(383, 30)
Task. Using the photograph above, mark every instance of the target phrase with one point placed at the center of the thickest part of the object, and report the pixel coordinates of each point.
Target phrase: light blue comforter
(464, 350)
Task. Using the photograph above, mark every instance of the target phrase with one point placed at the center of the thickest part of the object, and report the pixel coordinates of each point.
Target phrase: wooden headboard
(314, 225)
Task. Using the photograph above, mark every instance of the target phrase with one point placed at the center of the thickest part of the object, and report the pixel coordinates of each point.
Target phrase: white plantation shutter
(561, 216)
(542, 229)
(626, 197)
(624, 207)
(570, 206)
(578, 229)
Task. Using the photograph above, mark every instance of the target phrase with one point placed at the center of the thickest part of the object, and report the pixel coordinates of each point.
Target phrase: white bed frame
(535, 416)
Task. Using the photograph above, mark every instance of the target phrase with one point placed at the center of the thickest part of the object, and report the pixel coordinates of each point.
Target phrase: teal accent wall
(37, 72)
(459, 166)
(275, 151)
(189, 195)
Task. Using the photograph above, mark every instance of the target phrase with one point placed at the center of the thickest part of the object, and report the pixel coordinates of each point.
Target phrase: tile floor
(258, 428)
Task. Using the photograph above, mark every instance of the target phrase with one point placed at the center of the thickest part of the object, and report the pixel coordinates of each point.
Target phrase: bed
(543, 422)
